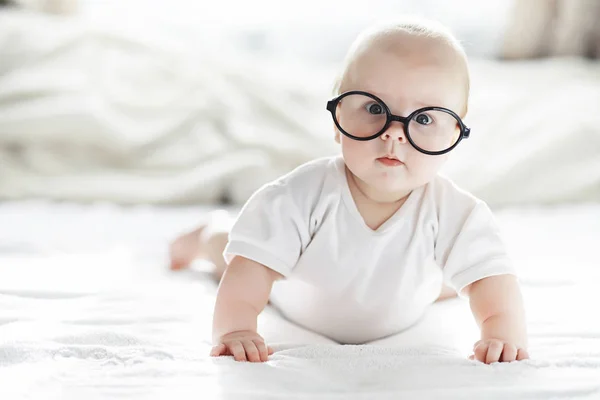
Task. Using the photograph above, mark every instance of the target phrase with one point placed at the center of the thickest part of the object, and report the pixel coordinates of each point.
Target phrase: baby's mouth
(390, 161)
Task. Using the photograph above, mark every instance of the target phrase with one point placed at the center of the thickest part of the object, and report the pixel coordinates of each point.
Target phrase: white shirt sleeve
(469, 246)
(269, 230)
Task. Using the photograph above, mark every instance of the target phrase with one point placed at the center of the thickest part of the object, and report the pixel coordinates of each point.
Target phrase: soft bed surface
(89, 310)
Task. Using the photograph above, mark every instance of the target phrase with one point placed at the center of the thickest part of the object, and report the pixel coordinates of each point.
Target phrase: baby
(362, 243)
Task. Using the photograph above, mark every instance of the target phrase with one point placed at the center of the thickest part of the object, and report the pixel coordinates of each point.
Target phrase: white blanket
(136, 112)
(88, 310)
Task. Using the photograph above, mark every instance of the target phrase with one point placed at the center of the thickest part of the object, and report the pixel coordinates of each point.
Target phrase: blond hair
(388, 32)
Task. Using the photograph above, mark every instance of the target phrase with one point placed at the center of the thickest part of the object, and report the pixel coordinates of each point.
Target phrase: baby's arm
(497, 306)
(243, 294)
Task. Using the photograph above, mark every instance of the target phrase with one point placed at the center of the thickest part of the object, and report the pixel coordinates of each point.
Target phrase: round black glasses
(363, 116)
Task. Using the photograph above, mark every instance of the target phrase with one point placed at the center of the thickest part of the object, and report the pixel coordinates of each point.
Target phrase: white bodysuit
(349, 282)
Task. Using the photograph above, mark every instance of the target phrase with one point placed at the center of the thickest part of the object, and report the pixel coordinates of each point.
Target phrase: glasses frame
(332, 104)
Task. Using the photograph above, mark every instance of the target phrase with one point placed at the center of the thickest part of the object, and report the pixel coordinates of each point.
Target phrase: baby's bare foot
(186, 248)
(215, 245)
(206, 242)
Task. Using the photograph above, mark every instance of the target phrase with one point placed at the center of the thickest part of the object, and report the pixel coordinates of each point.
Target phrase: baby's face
(405, 84)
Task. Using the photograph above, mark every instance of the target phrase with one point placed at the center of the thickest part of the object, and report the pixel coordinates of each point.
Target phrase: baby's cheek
(354, 151)
(358, 158)
(425, 167)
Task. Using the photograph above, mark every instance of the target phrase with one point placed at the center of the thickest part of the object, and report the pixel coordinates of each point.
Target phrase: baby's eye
(423, 119)
(375, 109)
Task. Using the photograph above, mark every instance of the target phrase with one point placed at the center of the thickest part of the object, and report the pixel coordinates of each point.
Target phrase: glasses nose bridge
(398, 118)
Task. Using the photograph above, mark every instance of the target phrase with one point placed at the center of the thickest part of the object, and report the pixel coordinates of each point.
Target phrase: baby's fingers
(509, 353)
(480, 351)
(494, 352)
(251, 351)
(522, 355)
(238, 351)
(218, 350)
(262, 350)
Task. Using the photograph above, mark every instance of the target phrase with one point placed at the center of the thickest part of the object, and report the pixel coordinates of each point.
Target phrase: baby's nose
(395, 132)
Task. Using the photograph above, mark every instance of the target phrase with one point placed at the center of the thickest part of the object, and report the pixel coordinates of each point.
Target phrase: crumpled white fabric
(132, 114)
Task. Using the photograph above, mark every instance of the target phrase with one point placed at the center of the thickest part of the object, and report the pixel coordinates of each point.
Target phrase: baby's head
(405, 67)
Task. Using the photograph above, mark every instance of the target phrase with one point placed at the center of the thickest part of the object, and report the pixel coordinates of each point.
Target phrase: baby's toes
(175, 265)
(185, 249)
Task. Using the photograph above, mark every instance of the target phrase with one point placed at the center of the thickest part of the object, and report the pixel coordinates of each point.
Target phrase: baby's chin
(397, 180)
(390, 181)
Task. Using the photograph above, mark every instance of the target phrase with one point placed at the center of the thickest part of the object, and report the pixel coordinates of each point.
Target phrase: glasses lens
(434, 130)
(360, 115)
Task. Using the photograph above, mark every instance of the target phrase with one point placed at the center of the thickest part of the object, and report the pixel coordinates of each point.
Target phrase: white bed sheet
(88, 310)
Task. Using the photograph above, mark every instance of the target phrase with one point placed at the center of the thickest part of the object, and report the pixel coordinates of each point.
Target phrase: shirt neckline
(396, 218)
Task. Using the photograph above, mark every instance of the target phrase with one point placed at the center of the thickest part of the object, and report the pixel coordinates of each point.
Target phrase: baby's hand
(493, 350)
(243, 346)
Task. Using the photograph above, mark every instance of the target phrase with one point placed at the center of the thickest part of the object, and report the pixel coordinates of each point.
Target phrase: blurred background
(201, 102)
